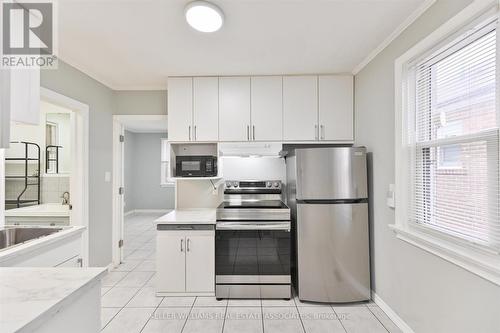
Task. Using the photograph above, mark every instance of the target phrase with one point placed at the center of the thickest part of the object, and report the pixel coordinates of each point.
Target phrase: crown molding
(402, 27)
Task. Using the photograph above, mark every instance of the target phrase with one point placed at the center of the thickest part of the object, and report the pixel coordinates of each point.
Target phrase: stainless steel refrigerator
(327, 194)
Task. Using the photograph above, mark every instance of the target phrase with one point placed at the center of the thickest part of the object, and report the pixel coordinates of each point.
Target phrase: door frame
(119, 179)
(79, 180)
(118, 199)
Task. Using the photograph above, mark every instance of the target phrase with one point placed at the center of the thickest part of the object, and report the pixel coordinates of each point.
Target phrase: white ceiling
(137, 44)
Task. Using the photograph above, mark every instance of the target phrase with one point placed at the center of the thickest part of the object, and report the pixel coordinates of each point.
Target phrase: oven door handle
(252, 226)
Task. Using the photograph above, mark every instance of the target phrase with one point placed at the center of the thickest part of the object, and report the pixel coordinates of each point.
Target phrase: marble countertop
(29, 296)
(32, 245)
(189, 216)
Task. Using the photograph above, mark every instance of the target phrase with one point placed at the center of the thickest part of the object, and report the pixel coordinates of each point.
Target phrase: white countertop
(29, 296)
(189, 216)
(32, 245)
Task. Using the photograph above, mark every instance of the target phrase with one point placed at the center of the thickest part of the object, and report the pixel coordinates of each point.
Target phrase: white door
(234, 108)
(336, 108)
(200, 261)
(267, 108)
(300, 108)
(180, 109)
(206, 109)
(170, 261)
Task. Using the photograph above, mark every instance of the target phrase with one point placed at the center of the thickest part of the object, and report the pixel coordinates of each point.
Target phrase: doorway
(138, 171)
(48, 163)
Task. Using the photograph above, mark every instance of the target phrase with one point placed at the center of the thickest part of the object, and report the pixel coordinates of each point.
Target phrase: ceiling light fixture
(204, 16)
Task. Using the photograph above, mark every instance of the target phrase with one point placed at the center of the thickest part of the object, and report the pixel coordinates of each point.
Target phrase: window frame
(165, 179)
(482, 261)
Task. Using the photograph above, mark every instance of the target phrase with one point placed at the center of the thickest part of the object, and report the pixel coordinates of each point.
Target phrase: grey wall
(142, 173)
(103, 103)
(141, 102)
(70, 82)
(128, 175)
(429, 293)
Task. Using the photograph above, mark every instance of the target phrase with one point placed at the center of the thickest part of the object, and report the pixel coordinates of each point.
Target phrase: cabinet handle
(189, 132)
(253, 128)
(182, 248)
(195, 133)
(188, 241)
(248, 132)
(316, 132)
(322, 132)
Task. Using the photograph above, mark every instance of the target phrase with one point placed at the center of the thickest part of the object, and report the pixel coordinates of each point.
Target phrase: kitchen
(330, 171)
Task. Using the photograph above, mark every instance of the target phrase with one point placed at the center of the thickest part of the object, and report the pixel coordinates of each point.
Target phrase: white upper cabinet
(205, 109)
(300, 108)
(336, 108)
(267, 108)
(25, 95)
(180, 109)
(234, 109)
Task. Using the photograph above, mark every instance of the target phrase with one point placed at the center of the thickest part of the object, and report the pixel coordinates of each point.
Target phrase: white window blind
(165, 179)
(453, 134)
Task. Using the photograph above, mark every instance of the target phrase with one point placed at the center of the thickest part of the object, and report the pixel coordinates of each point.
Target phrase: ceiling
(137, 44)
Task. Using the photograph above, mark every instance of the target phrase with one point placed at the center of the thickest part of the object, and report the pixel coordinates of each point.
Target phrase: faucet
(65, 198)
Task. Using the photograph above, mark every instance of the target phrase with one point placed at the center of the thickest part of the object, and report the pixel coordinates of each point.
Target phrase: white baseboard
(403, 326)
(147, 211)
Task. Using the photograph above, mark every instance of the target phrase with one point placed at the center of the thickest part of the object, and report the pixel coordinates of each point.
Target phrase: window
(456, 128)
(165, 180)
(447, 156)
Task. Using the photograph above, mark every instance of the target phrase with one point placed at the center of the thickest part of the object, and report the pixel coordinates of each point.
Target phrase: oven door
(255, 252)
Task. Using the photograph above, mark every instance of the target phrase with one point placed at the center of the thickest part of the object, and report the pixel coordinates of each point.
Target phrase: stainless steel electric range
(253, 243)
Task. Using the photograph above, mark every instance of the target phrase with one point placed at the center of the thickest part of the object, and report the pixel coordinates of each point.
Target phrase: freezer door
(331, 173)
(333, 252)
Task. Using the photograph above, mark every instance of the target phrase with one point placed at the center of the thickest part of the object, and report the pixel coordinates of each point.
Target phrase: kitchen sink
(14, 236)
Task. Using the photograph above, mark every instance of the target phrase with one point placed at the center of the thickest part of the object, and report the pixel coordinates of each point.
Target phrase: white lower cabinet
(185, 260)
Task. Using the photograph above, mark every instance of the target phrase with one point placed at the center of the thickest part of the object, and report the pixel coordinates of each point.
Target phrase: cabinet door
(170, 261)
(180, 109)
(267, 108)
(300, 108)
(200, 261)
(336, 107)
(234, 108)
(25, 95)
(206, 109)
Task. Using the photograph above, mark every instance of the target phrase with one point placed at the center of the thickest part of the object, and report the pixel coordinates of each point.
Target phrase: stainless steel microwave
(196, 166)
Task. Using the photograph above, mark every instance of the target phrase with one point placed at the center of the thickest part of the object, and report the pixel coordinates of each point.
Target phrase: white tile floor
(130, 305)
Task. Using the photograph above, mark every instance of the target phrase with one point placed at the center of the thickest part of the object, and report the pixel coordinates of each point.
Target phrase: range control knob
(228, 184)
(276, 184)
(269, 184)
(235, 184)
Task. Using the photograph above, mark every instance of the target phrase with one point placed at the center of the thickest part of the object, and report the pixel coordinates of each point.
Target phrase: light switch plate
(107, 176)
(390, 196)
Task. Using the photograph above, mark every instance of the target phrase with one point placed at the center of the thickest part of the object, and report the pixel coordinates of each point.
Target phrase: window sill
(481, 263)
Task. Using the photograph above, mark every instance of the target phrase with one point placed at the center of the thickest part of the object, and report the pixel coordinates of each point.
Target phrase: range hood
(250, 149)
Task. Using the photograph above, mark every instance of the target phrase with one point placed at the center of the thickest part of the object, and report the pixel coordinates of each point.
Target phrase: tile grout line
(147, 321)
(225, 314)
(300, 317)
(338, 318)
(189, 314)
(381, 323)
